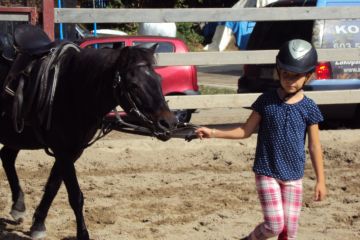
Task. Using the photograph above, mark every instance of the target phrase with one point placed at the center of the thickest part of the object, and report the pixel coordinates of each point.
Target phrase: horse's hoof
(38, 235)
(38, 231)
(18, 216)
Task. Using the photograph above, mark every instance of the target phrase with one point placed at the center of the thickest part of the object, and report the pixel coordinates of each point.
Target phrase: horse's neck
(96, 74)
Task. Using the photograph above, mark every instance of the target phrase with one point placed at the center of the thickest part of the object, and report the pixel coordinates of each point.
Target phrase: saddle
(29, 43)
(32, 40)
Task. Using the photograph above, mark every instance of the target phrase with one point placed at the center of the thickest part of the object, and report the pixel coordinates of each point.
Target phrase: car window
(163, 47)
(112, 45)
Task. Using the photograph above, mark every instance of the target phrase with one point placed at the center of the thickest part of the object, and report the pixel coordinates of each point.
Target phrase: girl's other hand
(203, 132)
(320, 191)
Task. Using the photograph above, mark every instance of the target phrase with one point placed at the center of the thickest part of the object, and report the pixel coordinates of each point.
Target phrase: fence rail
(14, 17)
(76, 15)
(247, 57)
(21, 14)
(245, 100)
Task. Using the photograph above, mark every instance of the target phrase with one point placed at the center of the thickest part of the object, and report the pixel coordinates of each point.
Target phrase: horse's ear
(151, 46)
(154, 47)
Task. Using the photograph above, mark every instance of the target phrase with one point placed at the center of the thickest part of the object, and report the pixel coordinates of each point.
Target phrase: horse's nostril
(164, 124)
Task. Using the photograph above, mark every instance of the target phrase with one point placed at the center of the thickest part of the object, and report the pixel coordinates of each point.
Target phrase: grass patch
(206, 90)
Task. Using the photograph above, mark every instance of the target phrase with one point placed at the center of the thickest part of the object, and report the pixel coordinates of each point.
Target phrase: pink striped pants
(281, 204)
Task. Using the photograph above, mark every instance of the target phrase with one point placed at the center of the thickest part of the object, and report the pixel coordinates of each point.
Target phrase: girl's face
(292, 82)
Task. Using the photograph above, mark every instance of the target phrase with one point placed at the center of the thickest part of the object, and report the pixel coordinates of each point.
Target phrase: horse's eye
(147, 72)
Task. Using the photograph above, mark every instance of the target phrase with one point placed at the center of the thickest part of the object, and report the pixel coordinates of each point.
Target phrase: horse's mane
(110, 60)
(131, 56)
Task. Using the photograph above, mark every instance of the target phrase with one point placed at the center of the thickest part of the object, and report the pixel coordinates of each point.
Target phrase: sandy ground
(137, 187)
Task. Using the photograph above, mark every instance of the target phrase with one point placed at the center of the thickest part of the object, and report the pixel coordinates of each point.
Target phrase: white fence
(23, 17)
(86, 15)
(75, 15)
(232, 57)
(245, 100)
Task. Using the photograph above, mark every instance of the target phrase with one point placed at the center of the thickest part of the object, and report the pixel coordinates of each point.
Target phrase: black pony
(55, 98)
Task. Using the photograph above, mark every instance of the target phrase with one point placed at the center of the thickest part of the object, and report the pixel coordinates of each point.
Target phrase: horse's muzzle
(163, 136)
(164, 127)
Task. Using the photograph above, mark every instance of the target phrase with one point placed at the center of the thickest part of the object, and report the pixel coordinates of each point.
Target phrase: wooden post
(48, 18)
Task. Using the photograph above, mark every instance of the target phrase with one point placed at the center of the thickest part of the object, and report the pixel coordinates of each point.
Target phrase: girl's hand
(203, 132)
(320, 191)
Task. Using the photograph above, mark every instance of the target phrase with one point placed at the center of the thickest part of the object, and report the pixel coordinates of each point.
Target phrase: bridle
(119, 85)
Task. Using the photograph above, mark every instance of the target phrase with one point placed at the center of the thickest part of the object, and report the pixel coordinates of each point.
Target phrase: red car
(176, 80)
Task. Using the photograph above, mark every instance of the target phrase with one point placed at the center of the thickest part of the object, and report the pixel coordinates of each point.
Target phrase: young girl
(283, 116)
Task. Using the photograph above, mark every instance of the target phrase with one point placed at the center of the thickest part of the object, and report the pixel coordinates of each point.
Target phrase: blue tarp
(241, 31)
(98, 3)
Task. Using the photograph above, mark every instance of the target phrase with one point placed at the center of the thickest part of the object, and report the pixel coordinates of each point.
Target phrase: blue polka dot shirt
(280, 151)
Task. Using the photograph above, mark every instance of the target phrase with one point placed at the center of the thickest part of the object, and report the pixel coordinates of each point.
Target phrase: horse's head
(138, 90)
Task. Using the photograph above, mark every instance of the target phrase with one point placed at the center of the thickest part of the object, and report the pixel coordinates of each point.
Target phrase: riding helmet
(297, 56)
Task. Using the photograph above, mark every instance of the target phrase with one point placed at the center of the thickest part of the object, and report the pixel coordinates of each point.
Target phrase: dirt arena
(137, 187)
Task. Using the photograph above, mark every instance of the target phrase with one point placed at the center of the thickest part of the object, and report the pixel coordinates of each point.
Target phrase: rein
(177, 132)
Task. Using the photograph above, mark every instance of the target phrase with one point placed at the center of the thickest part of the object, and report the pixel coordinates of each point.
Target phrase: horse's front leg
(53, 184)
(76, 198)
(8, 157)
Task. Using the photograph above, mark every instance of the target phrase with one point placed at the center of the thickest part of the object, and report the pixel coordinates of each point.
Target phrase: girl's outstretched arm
(317, 161)
(243, 131)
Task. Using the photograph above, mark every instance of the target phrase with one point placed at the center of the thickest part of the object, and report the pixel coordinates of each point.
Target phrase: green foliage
(125, 3)
(206, 90)
(116, 4)
(189, 32)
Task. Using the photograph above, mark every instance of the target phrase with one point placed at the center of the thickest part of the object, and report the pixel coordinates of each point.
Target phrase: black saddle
(30, 43)
(32, 40)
